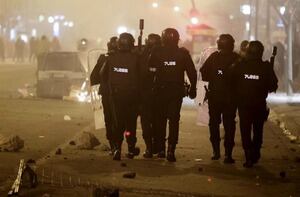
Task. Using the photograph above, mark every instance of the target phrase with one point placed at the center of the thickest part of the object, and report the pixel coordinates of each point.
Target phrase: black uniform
(147, 98)
(100, 76)
(170, 63)
(253, 79)
(222, 108)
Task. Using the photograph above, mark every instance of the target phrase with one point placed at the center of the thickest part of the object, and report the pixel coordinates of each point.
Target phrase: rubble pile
(11, 144)
(87, 140)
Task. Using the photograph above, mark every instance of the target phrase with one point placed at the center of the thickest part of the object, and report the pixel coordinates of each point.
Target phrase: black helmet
(225, 42)
(153, 40)
(170, 36)
(112, 44)
(125, 42)
(255, 50)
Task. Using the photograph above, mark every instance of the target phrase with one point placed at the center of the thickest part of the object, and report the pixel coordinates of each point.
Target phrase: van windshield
(63, 62)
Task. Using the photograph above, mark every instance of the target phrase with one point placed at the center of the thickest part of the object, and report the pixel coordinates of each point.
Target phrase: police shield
(93, 56)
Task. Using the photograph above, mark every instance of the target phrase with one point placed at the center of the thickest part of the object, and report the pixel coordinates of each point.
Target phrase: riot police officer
(216, 71)
(147, 96)
(170, 63)
(254, 79)
(123, 87)
(96, 78)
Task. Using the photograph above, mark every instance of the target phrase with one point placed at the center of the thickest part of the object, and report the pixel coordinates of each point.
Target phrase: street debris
(58, 151)
(123, 164)
(26, 91)
(67, 118)
(72, 143)
(41, 136)
(198, 160)
(26, 177)
(282, 174)
(11, 144)
(100, 192)
(129, 175)
(87, 140)
(209, 179)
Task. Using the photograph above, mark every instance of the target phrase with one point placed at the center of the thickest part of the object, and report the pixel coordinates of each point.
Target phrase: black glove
(192, 92)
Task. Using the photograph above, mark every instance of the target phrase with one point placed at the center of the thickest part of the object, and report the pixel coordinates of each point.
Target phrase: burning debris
(11, 144)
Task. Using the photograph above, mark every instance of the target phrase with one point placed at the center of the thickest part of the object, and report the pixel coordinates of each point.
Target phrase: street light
(246, 9)
(176, 8)
(194, 20)
(50, 19)
(121, 29)
(282, 10)
(155, 5)
(41, 18)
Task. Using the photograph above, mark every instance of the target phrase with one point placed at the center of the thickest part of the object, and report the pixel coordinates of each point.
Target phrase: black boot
(112, 147)
(216, 151)
(228, 156)
(148, 152)
(171, 153)
(117, 151)
(161, 151)
(248, 163)
(132, 151)
(154, 147)
(255, 156)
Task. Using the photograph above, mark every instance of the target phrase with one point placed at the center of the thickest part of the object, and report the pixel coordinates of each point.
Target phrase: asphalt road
(40, 123)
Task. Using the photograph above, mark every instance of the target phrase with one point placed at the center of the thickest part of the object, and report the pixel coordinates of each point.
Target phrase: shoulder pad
(185, 50)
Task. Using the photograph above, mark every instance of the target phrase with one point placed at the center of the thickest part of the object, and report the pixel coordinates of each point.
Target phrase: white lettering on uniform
(152, 69)
(170, 63)
(220, 72)
(251, 77)
(120, 70)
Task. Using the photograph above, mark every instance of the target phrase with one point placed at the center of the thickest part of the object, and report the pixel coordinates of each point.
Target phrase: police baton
(274, 53)
(140, 39)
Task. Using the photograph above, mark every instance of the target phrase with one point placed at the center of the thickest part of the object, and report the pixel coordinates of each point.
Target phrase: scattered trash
(123, 164)
(23, 92)
(99, 192)
(198, 160)
(72, 143)
(209, 179)
(67, 118)
(282, 174)
(11, 144)
(58, 151)
(87, 141)
(41, 136)
(200, 169)
(129, 175)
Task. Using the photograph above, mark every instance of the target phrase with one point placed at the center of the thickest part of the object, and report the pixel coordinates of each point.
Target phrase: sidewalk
(194, 174)
(290, 115)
